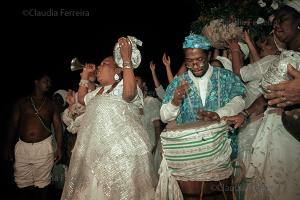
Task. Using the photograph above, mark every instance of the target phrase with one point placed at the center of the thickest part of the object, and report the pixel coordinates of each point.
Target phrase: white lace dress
(111, 159)
(151, 113)
(275, 161)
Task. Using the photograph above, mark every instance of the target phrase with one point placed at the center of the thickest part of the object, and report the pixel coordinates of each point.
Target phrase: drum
(204, 144)
(198, 155)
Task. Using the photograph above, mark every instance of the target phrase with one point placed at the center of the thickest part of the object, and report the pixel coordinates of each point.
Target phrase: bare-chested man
(30, 140)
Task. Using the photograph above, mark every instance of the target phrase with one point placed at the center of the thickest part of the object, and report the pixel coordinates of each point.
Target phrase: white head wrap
(293, 4)
(244, 49)
(63, 94)
(135, 56)
(225, 62)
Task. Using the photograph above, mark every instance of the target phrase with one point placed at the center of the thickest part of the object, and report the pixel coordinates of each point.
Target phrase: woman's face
(267, 46)
(142, 84)
(106, 71)
(285, 26)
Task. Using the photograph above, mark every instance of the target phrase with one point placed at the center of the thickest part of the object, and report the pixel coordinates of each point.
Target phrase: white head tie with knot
(63, 94)
(136, 57)
(227, 64)
(293, 4)
(244, 48)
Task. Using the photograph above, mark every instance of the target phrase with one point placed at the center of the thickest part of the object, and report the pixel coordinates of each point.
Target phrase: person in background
(151, 121)
(274, 165)
(160, 91)
(30, 140)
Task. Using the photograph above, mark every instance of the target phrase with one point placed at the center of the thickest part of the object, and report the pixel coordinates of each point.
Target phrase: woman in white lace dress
(111, 159)
(275, 161)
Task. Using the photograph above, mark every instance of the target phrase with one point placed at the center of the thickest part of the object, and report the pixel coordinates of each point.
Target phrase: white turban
(244, 48)
(63, 94)
(225, 62)
(135, 56)
(293, 4)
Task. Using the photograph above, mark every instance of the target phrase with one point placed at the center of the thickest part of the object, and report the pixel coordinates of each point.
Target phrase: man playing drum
(204, 93)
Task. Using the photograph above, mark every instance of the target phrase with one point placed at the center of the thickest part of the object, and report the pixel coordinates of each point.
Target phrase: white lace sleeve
(74, 126)
(160, 91)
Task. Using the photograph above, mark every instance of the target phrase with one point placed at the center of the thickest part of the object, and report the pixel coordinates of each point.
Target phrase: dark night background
(50, 42)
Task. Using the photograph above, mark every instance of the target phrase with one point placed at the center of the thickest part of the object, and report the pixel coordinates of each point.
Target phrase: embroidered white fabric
(278, 73)
(111, 158)
(136, 57)
(275, 158)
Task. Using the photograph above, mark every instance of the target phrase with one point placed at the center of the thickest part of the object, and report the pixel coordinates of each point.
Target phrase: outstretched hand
(166, 60)
(247, 37)
(57, 156)
(285, 93)
(208, 116)
(236, 120)
(233, 45)
(70, 97)
(125, 49)
(180, 92)
(152, 65)
(87, 70)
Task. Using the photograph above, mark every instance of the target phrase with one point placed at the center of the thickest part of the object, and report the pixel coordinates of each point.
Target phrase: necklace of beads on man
(34, 106)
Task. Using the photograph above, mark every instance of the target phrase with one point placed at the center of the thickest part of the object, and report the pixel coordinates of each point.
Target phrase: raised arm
(167, 62)
(84, 82)
(130, 86)
(216, 53)
(254, 56)
(58, 130)
(154, 76)
(235, 53)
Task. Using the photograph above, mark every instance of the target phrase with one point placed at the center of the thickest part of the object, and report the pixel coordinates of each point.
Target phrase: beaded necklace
(37, 112)
(34, 107)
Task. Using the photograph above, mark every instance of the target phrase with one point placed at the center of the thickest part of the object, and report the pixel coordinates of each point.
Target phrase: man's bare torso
(31, 128)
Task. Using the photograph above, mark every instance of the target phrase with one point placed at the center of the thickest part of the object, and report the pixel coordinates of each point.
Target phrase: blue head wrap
(195, 41)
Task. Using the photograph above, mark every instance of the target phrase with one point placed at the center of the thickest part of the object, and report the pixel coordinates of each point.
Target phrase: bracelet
(84, 83)
(247, 112)
(127, 66)
(127, 62)
(244, 114)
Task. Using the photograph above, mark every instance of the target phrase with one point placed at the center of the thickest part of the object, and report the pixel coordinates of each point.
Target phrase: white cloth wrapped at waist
(194, 154)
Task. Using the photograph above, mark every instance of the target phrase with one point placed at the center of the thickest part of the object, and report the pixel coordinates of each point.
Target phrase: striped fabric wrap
(200, 152)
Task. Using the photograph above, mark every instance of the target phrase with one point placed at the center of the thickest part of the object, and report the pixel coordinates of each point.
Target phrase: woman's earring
(298, 27)
(116, 77)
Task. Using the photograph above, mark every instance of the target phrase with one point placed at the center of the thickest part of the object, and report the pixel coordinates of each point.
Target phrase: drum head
(172, 126)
